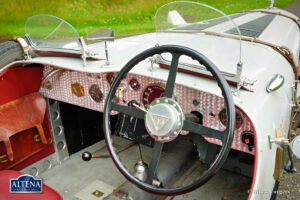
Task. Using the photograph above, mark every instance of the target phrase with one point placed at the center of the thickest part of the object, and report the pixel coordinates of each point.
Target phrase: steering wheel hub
(164, 119)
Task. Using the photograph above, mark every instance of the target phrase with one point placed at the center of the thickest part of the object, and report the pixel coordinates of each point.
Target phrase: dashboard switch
(122, 90)
(248, 139)
(195, 102)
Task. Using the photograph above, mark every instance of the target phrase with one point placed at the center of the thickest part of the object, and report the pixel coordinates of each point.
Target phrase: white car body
(269, 112)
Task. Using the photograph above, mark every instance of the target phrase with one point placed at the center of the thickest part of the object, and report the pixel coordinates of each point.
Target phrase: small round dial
(110, 77)
(95, 93)
(134, 84)
(150, 93)
(238, 118)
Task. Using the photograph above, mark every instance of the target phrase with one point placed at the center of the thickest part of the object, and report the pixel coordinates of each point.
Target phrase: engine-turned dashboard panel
(90, 90)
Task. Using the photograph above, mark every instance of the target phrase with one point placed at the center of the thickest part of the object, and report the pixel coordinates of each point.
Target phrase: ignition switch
(122, 90)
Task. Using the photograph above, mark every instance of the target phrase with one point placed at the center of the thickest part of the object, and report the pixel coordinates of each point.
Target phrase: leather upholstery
(6, 175)
(19, 115)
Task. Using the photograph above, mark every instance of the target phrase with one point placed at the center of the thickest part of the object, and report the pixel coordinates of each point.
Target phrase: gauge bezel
(101, 96)
(110, 74)
(237, 113)
(159, 84)
(139, 82)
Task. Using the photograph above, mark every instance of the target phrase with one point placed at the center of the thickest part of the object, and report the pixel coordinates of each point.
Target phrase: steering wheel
(164, 120)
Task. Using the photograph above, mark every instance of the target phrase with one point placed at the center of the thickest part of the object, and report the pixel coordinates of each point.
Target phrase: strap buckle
(25, 47)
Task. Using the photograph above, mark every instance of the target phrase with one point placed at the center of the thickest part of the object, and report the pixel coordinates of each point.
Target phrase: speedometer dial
(150, 93)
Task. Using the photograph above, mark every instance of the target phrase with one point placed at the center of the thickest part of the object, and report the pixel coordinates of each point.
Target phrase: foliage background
(125, 16)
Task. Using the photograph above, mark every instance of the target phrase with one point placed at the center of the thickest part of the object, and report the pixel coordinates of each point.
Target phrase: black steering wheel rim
(228, 133)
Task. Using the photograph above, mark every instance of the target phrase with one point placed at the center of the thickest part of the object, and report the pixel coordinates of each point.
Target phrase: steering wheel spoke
(128, 110)
(202, 130)
(157, 149)
(172, 75)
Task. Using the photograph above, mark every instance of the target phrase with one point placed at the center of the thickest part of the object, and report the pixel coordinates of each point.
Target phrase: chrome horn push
(164, 119)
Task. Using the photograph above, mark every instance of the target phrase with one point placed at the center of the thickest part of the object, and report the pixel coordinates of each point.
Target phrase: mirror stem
(106, 53)
(84, 50)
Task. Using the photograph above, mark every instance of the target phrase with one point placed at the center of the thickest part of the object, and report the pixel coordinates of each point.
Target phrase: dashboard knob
(248, 139)
(86, 156)
(195, 102)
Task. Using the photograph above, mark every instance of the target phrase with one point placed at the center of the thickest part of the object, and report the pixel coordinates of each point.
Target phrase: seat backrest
(19, 115)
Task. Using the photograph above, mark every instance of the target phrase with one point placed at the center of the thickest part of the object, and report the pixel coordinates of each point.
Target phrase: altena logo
(26, 184)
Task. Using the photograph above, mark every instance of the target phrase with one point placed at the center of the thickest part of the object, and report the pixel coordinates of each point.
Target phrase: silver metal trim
(164, 119)
(276, 83)
(84, 50)
(272, 4)
(201, 69)
(25, 47)
(39, 165)
(51, 74)
(55, 119)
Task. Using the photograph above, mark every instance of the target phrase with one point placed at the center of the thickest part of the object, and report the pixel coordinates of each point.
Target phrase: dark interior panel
(82, 127)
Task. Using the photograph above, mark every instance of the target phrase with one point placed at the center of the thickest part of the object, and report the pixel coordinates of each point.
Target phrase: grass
(125, 16)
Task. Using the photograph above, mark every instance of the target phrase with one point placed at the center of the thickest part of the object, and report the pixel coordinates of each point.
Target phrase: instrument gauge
(96, 93)
(110, 77)
(152, 92)
(134, 84)
(238, 118)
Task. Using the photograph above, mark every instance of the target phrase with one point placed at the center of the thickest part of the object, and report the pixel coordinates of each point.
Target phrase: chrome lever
(139, 107)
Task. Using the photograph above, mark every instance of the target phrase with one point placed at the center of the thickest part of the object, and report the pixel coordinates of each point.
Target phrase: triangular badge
(158, 121)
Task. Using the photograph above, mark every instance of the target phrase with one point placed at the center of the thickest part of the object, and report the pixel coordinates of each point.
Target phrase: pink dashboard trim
(209, 105)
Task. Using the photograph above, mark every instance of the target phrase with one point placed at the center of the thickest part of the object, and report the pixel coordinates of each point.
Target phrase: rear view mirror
(103, 34)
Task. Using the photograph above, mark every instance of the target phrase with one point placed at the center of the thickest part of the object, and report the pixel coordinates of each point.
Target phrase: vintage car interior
(198, 109)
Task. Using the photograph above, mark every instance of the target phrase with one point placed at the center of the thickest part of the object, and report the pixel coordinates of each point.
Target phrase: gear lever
(87, 156)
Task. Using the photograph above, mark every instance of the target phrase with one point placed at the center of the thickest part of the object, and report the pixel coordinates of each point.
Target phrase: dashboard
(89, 91)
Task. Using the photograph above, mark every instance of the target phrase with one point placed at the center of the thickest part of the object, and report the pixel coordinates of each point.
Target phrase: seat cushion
(5, 176)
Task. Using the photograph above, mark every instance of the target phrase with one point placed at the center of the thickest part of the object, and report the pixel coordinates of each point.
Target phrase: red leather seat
(21, 114)
(5, 176)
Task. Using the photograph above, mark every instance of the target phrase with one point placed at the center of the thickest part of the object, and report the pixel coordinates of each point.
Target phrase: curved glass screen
(51, 33)
(202, 28)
